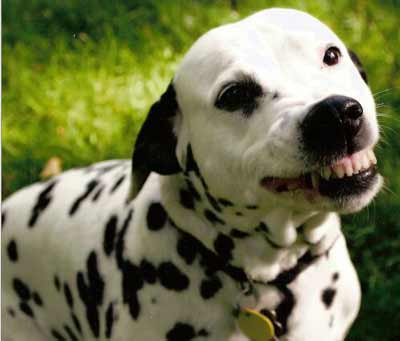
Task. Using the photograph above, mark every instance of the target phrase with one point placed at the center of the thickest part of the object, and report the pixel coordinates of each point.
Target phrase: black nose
(332, 125)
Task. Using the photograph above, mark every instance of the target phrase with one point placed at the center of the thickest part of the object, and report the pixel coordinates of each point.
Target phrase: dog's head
(276, 111)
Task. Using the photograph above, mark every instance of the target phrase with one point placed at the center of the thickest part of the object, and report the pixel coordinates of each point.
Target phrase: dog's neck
(261, 243)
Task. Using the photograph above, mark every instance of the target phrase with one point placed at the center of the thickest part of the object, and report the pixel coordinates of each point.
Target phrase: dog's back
(48, 236)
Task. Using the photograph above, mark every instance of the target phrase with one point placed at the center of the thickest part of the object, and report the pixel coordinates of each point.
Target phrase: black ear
(358, 64)
(155, 145)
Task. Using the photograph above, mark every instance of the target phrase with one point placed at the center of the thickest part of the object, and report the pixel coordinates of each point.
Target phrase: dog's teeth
(356, 164)
(348, 168)
(365, 161)
(371, 157)
(339, 171)
(326, 173)
(315, 180)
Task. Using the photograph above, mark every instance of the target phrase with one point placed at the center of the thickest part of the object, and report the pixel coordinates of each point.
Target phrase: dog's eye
(239, 96)
(332, 56)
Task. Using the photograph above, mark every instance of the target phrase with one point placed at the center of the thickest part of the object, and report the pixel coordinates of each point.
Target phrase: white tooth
(371, 156)
(348, 167)
(356, 164)
(339, 171)
(365, 161)
(326, 173)
(315, 179)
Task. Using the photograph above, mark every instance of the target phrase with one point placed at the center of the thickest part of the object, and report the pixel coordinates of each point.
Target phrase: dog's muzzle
(335, 142)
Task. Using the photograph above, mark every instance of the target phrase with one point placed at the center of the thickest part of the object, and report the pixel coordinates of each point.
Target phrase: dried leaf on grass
(53, 167)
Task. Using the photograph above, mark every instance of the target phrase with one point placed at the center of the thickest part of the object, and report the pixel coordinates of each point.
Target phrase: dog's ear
(155, 147)
(358, 64)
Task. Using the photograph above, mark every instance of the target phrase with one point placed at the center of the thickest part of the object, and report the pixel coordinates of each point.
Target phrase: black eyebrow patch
(240, 95)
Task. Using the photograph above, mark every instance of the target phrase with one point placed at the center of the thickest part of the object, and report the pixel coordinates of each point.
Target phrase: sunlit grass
(79, 77)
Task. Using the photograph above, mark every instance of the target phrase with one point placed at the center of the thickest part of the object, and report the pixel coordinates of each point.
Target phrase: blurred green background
(79, 76)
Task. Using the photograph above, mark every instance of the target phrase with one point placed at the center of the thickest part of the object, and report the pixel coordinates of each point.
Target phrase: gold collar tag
(255, 326)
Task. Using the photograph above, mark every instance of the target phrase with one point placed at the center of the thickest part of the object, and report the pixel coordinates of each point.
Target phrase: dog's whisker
(382, 93)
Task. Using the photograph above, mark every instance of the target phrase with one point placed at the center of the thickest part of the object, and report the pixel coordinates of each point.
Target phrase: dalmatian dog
(231, 201)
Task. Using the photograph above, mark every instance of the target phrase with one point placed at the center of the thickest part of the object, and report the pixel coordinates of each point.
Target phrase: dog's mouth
(351, 175)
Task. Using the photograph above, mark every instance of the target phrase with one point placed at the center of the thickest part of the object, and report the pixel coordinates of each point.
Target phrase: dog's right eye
(239, 96)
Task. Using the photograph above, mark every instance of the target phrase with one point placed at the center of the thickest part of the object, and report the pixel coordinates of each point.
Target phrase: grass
(78, 78)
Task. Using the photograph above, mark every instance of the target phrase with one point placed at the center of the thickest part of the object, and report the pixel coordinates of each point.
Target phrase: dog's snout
(332, 126)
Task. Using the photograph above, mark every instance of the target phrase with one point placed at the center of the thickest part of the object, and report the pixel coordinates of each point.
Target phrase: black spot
(57, 335)
(120, 243)
(26, 309)
(239, 234)
(91, 292)
(191, 164)
(76, 322)
(262, 227)
(153, 300)
(89, 188)
(239, 214)
(212, 217)
(181, 332)
(328, 296)
(171, 277)
(109, 235)
(252, 207)
(156, 217)
(187, 248)
(12, 251)
(70, 333)
(37, 299)
(3, 218)
(42, 202)
(117, 184)
(209, 287)
(225, 202)
(301, 228)
(224, 245)
(192, 190)
(186, 199)
(132, 280)
(203, 182)
(97, 194)
(213, 202)
(109, 320)
(22, 290)
(68, 295)
(11, 312)
(203, 332)
(288, 302)
(335, 276)
(149, 272)
(105, 169)
(57, 283)
(208, 260)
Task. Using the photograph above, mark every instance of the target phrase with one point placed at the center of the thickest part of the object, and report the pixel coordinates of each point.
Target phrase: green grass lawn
(79, 76)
